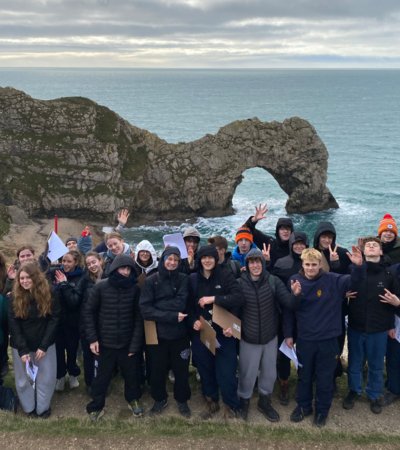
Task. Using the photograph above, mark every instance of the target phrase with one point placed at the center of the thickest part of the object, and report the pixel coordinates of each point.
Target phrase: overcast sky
(200, 33)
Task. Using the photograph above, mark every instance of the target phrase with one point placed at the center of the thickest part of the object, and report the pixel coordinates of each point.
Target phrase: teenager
(33, 318)
(114, 330)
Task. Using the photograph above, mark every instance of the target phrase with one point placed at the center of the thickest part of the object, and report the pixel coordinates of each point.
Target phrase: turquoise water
(355, 112)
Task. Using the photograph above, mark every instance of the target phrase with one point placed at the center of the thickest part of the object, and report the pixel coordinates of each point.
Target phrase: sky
(200, 33)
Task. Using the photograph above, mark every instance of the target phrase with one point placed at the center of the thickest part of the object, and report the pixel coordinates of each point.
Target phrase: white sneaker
(73, 382)
(60, 384)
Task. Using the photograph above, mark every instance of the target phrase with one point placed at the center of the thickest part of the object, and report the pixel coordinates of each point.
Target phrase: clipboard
(208, 336)
(150, 332)
(225, 319)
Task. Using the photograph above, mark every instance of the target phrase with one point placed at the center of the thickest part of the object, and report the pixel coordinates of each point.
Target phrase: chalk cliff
(75, 157)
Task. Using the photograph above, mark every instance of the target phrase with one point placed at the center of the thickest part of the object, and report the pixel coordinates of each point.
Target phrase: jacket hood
(324, 227)
(146, 245)
(255, 253)
(191, 232)
(283, 221)
(122, 261)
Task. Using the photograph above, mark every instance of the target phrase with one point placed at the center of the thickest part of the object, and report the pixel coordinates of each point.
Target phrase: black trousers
(67, 341)
(174, 354)
(107, 360)
(89, 362)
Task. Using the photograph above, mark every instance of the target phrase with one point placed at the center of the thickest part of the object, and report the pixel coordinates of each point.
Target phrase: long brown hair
(40, 292)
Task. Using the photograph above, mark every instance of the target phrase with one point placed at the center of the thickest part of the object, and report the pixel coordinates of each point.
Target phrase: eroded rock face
(75, 157)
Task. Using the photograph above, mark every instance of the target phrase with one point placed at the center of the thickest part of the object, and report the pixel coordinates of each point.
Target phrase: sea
(356, 114)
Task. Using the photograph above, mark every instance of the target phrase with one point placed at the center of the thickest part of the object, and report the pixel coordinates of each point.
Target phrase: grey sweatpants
(38, 399)
(257, 360)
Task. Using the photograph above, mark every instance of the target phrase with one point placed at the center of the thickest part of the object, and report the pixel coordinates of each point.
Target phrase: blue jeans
(370, 348)
(218, 372)
(393, 366)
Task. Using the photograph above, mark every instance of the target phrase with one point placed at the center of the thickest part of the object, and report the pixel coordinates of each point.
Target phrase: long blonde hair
(40, 292)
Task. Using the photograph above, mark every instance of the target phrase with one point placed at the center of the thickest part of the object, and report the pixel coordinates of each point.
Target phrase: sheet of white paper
(397, 325)
(57, 249)
(176, 240)
(290, 353)
(31, 371)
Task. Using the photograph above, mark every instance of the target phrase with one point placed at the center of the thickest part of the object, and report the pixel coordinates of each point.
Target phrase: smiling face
(298, 247)
(171, 262)
(93, 264)
(68, 262)
(255, 267)
(325, 240)
(144, 257)
(208, 263)
(387, 236)
(115, 245)
(25, 280)
(72, 245)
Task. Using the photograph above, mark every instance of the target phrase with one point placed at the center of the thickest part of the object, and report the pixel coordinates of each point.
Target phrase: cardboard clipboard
(150, 332)
(225, 320)
(208, 336)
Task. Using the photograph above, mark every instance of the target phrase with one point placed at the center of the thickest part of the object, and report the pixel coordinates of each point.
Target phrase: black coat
(164, 295)
(366, 312)
(34, 332)
(111, 316)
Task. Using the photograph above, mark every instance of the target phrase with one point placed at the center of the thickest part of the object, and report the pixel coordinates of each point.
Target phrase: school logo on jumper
(319, 293)
(185, 354)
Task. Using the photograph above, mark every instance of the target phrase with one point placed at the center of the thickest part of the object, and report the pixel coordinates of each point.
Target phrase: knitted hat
(244, 233)
(387, 224)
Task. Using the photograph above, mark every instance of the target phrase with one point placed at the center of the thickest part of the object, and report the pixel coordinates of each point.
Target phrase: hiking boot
(73, 382)
(60, 384)
(320, 420)
(264, 405)
(244, 406)
(158, 407)
(136, 408)
(95, 416)
(299, 414)
(184, 409)
(350, 399)
(389, 398)
(212, 407)
(376, 406)
(284, 392)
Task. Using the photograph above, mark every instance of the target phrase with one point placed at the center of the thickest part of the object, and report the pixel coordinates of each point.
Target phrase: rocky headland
(78, 159)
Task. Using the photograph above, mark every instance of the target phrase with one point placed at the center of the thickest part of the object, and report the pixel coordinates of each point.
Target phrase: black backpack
(8, 400)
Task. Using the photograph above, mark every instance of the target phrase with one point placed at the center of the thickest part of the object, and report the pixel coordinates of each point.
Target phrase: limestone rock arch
(75, 157)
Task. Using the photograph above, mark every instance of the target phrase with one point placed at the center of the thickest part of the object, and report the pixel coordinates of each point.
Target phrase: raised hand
(261, 211)
(266, 252)
(355, 257)
(333, 255)
(295, 286)
(123, 215)
(60, 277)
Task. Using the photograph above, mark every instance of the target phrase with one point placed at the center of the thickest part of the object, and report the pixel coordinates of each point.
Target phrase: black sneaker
(264, 405)
(376, 406)
(184, 409)
(350, 399)
(158, 407)
(320, 420)
(244, 406)
(299, 414)
(45, 415)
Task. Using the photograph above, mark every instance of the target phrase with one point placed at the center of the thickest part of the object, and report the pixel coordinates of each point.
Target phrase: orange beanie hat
(387, 224)
(244, 233)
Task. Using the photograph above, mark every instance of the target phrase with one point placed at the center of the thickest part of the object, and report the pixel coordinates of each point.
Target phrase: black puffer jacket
(34, 332)
(263, 301)
(164, 295)
(221, 284)
(111, 314)
(367, 314)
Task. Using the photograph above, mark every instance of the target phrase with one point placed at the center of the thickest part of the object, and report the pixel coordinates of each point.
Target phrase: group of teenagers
(281, 287)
